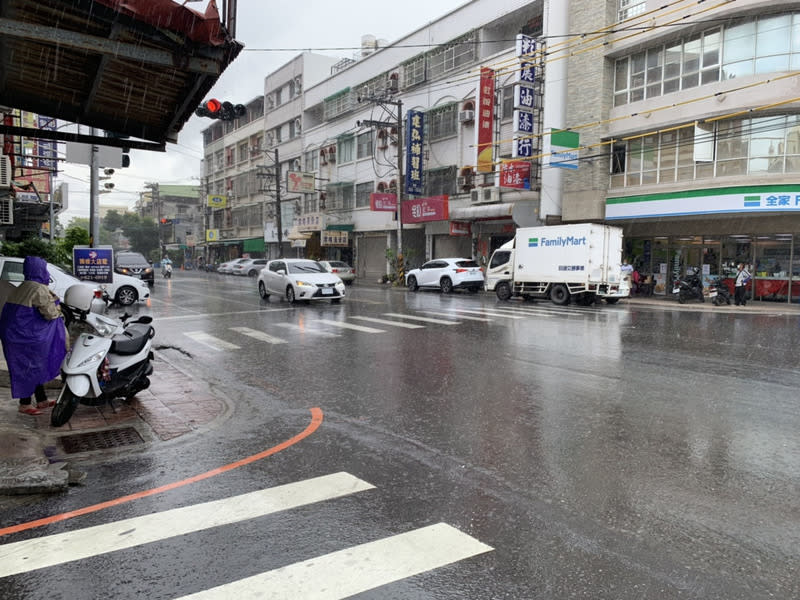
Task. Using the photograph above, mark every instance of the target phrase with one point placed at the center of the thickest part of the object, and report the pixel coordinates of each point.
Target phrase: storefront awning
(296, 234)
(254, 245)
(484, 211)
(340, 227)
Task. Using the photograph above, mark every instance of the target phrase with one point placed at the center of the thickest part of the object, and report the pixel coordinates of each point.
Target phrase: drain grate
(100, 440)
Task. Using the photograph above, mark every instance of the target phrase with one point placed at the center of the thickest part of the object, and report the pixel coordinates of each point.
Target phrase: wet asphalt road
(605, 452)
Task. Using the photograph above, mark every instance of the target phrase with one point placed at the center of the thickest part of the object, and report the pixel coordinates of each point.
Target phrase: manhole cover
(100, 440)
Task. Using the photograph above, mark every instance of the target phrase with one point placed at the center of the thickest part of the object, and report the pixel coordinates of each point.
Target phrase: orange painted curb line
(316, 421)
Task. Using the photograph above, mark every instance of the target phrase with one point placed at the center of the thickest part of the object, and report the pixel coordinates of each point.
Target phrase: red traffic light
(163, 221)
(213, 106)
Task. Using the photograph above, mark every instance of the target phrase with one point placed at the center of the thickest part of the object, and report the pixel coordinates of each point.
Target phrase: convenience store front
(715, 229)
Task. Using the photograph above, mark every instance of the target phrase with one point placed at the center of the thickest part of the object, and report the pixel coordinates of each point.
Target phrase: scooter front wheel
(64, 407)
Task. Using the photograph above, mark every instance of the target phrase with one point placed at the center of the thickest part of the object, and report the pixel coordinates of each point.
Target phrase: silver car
(299, 279)
(344, 271)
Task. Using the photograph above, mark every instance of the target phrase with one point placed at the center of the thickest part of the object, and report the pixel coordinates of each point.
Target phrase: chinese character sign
(485, 121)
(300, 183)
(335, 238)
(93, 264)
(421, 210)
(383, 202)
(415, 126)
(515, 174)
(526, 46)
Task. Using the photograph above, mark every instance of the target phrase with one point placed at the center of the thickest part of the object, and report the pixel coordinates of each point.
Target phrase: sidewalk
(33, 455)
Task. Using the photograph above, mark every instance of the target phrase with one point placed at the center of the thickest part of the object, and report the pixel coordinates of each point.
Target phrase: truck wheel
(503, 290)
(559, 294)
(612, 300)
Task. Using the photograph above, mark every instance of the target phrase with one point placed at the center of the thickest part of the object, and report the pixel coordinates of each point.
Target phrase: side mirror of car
(281, 271)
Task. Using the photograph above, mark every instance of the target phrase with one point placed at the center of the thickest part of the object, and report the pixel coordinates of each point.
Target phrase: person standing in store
(33, 336)
(740, 285)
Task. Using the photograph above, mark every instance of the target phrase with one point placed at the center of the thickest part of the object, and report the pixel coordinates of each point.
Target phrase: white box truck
(578, 262)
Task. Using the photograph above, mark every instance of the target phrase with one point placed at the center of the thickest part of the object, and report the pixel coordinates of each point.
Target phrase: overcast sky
(262, 27)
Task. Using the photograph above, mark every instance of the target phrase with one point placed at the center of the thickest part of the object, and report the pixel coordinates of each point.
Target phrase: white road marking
(354, 570)
(455, 316)
(392, 323)
(201, 337)
(225, 314)
(344, 325)
(38, 553)
(307, 330)
(424, 319)
(259, 335)
(491, 313)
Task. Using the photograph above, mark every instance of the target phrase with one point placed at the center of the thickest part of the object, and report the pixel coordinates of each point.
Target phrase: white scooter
(111, 362)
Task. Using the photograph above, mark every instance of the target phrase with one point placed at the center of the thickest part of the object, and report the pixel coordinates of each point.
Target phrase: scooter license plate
(676, 290)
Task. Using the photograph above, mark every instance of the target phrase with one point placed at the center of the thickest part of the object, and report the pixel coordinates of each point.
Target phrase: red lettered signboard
(386, 202)
(485, 120)
(460, 228)
(515, 174)
(420, 210)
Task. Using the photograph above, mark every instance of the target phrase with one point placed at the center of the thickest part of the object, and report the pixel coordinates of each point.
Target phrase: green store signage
(744, 199)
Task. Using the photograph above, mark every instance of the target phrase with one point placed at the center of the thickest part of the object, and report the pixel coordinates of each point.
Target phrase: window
(309, 203)
(453, 55)
(414, 71)
(278, 97)
(311, 160)
(244, 151)
(339, 196)
(338, 104)
(364, 145)
(363, 190)
(507, 102)
(344, 149)
(439, 182)
(630, 8)
(442, 122)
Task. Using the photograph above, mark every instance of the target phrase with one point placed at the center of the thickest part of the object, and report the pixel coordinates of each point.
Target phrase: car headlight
(149, 270)
(304, 283)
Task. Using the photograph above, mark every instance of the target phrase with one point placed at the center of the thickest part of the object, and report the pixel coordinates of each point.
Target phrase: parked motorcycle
(111, 361)
(719, 292)
(691, 286)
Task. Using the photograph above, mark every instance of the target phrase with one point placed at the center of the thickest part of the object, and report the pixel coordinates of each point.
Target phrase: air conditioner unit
(484, 195)
(5, 172)
(466, 116)
(394, 82)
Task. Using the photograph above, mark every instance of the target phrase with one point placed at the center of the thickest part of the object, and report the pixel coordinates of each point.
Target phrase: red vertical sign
(485, 120)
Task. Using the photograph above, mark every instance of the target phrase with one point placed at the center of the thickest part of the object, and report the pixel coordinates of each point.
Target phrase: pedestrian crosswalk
(382, 323)
(332, 576)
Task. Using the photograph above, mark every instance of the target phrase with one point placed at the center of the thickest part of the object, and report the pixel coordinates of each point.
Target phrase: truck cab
(501, 266)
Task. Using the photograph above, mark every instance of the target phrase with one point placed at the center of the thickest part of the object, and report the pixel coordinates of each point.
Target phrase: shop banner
(421, 210)
(212, 235)
(217, 201)
(460, 228)
(298, 182)
(485, 129)
(561, 149)
(309, 222)
(515, 174)
(334, 238)
(93, 264)
(383, 202)
(415, 144)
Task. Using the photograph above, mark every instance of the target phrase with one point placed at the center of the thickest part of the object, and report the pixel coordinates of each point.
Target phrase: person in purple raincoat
(33, 336)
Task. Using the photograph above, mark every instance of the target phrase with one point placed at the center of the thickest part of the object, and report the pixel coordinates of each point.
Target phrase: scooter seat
(133, 340)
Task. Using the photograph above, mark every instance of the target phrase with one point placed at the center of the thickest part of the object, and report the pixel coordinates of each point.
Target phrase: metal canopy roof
(134, 67)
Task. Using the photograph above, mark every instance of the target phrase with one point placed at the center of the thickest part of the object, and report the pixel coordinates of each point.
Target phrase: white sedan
(299, 279)
(125, 290)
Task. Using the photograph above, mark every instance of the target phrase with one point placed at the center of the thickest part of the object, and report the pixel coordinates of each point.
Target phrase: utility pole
(278, 220)
(94, 196)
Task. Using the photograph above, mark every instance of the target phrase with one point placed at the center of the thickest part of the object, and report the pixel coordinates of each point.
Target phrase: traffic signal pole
(278, 220)
(94, 195)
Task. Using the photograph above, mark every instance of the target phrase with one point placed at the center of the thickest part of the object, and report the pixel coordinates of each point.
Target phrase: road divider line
(201, 337)
(354, 570)
(316, 421)
(52, 550)
(491, 313)
(259, 335)
(388, 322)
(423, 319)
(343, 325)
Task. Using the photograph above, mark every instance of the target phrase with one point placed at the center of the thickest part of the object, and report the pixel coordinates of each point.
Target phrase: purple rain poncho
(33, 335)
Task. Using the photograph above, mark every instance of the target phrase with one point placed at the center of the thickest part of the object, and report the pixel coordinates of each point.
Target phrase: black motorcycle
(691, 286)
(719, 292)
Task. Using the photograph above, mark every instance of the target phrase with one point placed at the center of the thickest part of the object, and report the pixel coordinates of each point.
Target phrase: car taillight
(460, 270)
(334, 270)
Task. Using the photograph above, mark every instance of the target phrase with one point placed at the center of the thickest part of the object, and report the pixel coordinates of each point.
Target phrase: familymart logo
(533, 242)
(559, 241)
(778, 201)
(752, 201)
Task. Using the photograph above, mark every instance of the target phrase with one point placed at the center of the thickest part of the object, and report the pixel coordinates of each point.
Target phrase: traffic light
(166, 221)
(224, 111)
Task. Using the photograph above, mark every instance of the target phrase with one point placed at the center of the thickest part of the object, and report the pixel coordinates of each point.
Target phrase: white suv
(446, 274)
